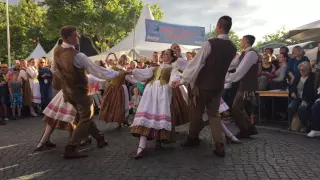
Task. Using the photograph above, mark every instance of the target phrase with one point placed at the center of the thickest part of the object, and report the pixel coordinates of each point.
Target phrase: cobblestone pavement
(269, 155)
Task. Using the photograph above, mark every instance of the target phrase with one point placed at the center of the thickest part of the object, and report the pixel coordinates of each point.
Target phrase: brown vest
(212, 75)
(249, 82)
(161, 74)
(74, 81)
(56, 84)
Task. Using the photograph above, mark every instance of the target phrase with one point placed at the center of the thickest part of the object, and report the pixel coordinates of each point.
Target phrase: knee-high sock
(142, 143)
(46, 135)
(226, 130)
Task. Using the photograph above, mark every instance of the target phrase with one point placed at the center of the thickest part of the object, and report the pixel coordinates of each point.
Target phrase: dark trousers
(239, 113)
(86, 126)
(46, 94)
(206, 99)
(316, 116)
(294, 106)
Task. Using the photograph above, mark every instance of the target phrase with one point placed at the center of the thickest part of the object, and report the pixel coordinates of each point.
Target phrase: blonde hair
(300, 49)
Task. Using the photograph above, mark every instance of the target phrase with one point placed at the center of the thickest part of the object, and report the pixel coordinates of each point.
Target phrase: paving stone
(268, 155)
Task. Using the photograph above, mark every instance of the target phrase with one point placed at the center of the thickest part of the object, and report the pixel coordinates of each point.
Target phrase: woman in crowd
(4, 93)
(293, 63)
(32, 73)
(27, 93)
(278, 80)
(301, 94)
(266, 72)
(45, 79)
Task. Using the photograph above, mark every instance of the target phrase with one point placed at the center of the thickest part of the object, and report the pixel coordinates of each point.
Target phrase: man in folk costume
(246, 75)
(70, 68)
(207, 72)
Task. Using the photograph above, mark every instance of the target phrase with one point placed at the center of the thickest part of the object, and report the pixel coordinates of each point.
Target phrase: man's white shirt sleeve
(82, 61)
(192, 70)
(249, 59)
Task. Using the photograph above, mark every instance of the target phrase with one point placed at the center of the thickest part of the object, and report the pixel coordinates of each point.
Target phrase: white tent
(50, 53)
(38, 52)
(136, 41)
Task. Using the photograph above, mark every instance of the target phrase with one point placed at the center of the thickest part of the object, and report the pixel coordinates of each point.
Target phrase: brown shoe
(140, 154)
(71, 153)
(191, 142)
(101, 142)
(219, 151)
(50, 144)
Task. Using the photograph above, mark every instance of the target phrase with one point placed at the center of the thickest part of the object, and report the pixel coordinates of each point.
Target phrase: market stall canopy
(308, 32)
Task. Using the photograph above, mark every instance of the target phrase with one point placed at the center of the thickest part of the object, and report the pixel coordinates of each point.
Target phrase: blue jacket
(293, 64)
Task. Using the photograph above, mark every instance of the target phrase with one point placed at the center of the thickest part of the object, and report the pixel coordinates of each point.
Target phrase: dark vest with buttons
(212, 75)
(249, 82)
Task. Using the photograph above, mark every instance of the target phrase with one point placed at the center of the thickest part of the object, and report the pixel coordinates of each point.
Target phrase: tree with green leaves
(26, 24)
(232, 36)
(280, 36)
(109, 21)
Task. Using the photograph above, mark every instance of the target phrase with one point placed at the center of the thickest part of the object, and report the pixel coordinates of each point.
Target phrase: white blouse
(145, 74)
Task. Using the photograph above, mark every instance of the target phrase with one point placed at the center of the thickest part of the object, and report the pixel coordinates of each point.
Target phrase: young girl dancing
(153, 116)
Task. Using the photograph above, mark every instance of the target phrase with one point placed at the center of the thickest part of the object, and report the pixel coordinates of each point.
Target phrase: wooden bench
(272, 94)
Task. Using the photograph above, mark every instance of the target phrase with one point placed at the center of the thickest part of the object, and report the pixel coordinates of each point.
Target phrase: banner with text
(171, 33)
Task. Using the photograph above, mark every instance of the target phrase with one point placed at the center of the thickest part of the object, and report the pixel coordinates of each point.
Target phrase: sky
(256, 17)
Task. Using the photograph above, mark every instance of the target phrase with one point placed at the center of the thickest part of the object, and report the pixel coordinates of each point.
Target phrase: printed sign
(157, 31)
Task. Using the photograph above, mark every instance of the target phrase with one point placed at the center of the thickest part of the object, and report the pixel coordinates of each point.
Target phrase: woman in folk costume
(32, 73)
(179, 105)
(27, 93)
(153, 115)
(58, 115)
(61, 115)
(115, 100)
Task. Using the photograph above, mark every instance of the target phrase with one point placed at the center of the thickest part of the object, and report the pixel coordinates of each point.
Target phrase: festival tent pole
(8, 33)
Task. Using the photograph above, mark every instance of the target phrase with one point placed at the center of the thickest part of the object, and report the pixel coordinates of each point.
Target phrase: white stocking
(226, 130)
(46, 135)
(142, 143)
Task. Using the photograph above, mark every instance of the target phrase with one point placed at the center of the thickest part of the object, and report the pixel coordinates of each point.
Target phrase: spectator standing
(15, 89)
(3, 92)
(45, 80)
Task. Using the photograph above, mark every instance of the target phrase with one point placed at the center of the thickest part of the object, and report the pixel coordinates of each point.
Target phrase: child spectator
(15, 89)
(4, 92)
(135, 100)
